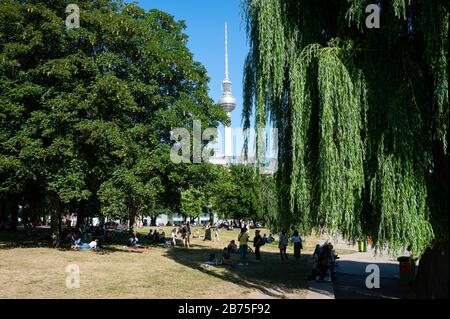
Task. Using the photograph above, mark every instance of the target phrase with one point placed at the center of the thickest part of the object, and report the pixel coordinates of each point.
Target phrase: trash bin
(362, 246)
(407, 269)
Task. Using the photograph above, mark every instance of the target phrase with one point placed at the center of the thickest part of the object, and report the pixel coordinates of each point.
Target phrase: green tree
(269, 202)
(239, 194)
(192, 203)
(362, 116)
(83, 110)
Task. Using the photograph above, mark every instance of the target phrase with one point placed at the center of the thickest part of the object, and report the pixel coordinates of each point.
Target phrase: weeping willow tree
(362, 115)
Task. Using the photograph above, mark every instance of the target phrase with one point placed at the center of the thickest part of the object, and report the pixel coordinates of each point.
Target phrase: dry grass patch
(157, 273)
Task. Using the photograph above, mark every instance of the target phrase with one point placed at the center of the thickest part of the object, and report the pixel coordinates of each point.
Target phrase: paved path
(320, 290)
(351, 278)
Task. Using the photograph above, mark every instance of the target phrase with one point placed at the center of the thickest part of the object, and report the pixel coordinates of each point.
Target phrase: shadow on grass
(19, 239)
(271, 278)
(41, 239)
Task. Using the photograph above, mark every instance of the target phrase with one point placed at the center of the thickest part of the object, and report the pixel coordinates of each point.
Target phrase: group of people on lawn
(325, 259)
(259, 241)
(81, 243)
(160, 237)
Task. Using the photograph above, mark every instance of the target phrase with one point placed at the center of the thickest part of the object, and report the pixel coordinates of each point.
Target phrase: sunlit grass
(39, 272)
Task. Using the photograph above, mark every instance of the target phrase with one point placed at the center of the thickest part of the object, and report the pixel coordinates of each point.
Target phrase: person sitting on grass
(155, 236)
(73, 236)
(270, 239)
(77, 240)
(134, 240)
(78, 244)
(226, 258)
(264, 239)
(212, 261)
(232, 247)
(162, 237)
(93, 245)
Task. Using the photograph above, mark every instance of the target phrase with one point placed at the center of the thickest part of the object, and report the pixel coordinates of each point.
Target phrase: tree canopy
(362, 115)
(239, 197)
(86, 113)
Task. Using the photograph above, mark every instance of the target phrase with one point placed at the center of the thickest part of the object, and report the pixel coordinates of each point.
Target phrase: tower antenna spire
(227, 100)
(226, 51)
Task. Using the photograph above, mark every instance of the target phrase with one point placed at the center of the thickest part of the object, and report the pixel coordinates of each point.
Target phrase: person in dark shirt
(257, 243)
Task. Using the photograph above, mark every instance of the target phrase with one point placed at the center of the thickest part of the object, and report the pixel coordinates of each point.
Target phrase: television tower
(227, 101)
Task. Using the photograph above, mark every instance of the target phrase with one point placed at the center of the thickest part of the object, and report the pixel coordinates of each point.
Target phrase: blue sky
(205, 20)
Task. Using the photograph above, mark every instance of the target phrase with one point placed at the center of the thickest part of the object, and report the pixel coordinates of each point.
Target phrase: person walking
(216, 233)
(184, 235)
(298, 246)
(174, 237)
(282, 245)
(188, 235)
(207, 232)
(243, 244)
(257, 243)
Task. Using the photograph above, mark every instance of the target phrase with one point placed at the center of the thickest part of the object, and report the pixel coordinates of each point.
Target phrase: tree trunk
(13, 208)
(432, 277)
(55, 219)
(211, 217)
(131, 224)
(432, 280)
(3, 214)
(152, 221)
(80, 215)
(132, 218)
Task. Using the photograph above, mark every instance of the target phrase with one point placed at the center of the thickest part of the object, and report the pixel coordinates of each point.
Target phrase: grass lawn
(30, 269)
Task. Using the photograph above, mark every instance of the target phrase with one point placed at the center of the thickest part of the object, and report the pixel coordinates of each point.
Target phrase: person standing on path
(243, 244)
(298, 246)
(283, 245)
(257, 243)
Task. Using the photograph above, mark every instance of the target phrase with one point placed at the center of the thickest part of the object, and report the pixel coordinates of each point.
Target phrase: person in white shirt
(297, 240)
(93, 244)
(174, 237)
(282, 245)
